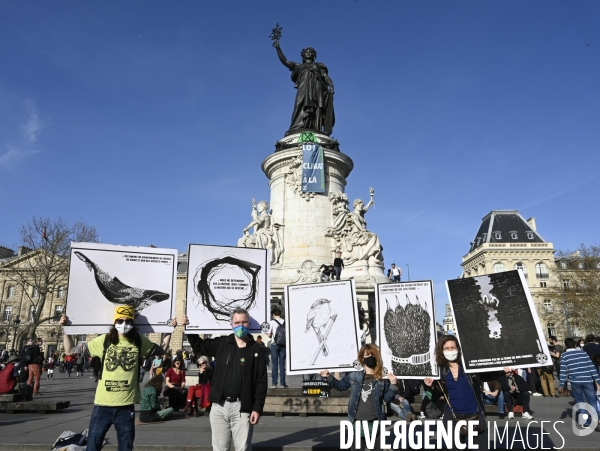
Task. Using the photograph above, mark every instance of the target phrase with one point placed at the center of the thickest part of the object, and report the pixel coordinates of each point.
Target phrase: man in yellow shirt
(118, 384)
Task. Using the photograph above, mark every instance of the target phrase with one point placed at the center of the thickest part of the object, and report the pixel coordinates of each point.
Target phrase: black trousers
(520, 399)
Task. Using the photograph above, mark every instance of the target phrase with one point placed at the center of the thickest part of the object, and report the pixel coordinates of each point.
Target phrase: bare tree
(44, 268)
(578, 277)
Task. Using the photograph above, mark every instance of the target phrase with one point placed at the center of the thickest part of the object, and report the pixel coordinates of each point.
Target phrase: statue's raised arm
(289, 64)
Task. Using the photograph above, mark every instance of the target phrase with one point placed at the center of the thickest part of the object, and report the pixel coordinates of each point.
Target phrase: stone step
(34, 406)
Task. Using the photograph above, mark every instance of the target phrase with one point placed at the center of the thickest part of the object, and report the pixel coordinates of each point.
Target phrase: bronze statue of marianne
(313, 109)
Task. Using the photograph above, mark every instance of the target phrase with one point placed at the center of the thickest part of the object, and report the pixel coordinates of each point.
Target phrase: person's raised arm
(289, 64)
(67, 340)
(201, 347)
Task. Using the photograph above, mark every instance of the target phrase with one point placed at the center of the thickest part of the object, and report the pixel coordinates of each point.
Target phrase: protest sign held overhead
(496, 322)
(222, 278)
(406, 331)
(103, 276)
(322, 327)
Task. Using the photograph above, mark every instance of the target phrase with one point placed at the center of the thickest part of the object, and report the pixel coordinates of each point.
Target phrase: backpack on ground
(138, 345)
(279, 338)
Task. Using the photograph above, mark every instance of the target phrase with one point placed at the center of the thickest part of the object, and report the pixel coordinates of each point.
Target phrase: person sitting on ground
(407, 389)
(515, 386)
(150, 408)
(156, 368)
(167, 362)
(145, 366)
(492, 394)
(8, 381)
(197, 395)
(432, 406)
(175, 381)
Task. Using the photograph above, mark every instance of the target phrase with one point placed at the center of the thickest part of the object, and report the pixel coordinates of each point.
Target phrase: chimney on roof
(23, 250)
(531, 222)
(5, 252)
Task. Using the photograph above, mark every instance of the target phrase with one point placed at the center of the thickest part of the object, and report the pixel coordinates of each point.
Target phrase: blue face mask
(240, 331)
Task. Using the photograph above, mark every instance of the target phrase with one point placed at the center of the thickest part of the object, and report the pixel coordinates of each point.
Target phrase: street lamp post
(16, 323)
(408, 268)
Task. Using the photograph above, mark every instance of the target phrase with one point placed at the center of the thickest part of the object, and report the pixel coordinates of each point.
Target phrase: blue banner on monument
(313, 170)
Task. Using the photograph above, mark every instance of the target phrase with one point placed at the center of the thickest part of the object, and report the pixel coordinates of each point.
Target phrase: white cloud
(25, 145)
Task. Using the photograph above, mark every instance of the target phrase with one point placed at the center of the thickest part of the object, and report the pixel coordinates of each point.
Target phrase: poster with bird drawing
(406, 331)
(322, 328)
(221, 278)
(104, 276)
(497, 323)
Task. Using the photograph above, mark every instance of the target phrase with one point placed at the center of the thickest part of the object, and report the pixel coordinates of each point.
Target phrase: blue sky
(150, 119)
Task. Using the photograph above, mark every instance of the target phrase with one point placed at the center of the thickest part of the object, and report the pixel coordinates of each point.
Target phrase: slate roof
(505, 226)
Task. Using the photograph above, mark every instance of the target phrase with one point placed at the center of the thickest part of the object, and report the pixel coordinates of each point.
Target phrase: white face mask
(123, 328)
(451, 355)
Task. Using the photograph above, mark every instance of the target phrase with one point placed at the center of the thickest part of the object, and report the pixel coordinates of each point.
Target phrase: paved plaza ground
(31, 431)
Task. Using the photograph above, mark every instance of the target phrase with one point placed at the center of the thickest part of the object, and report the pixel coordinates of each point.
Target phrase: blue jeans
(401, 410)
(579, 391)
(278, 361)
(123, 418)
(492, 400)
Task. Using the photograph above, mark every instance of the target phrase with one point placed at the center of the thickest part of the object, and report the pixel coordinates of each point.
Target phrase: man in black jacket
(514, 385)
(239, 384)
(33, 357)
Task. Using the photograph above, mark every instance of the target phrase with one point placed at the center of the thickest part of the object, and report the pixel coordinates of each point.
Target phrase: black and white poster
(104, 276)
(406, 332)
(322, 328)
(496, 322)
(219, 280)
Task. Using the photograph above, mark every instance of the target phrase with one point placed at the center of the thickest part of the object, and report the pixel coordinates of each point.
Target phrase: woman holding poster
(369, 389)
(459, 389)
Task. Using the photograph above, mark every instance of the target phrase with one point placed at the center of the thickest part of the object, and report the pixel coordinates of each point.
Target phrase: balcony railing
(542, 275)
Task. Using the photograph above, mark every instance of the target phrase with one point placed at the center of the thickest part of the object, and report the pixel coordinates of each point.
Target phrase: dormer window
(478, 241)
(530, 235)
(514, 235)
(498, 235)
(563, 265)
(484, 237)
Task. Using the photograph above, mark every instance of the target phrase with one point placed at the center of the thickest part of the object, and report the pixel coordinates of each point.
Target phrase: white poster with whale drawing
(221, 278)
(406, 332)
(322, 327)
(103, 276)
(497, 322)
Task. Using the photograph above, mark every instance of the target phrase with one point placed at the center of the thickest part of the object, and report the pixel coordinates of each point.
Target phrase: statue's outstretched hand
(276, 44)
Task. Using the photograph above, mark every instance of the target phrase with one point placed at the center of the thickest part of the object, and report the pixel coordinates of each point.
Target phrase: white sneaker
(422, 415)
(527, 416)
(537, 394)
(511, 415)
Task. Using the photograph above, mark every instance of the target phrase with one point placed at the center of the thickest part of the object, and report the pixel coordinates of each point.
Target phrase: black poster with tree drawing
(496, 322)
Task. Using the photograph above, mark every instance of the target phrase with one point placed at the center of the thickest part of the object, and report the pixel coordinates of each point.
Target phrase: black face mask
(370, 362)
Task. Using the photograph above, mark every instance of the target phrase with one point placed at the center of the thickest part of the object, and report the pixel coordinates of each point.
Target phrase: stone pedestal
(305, 218)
